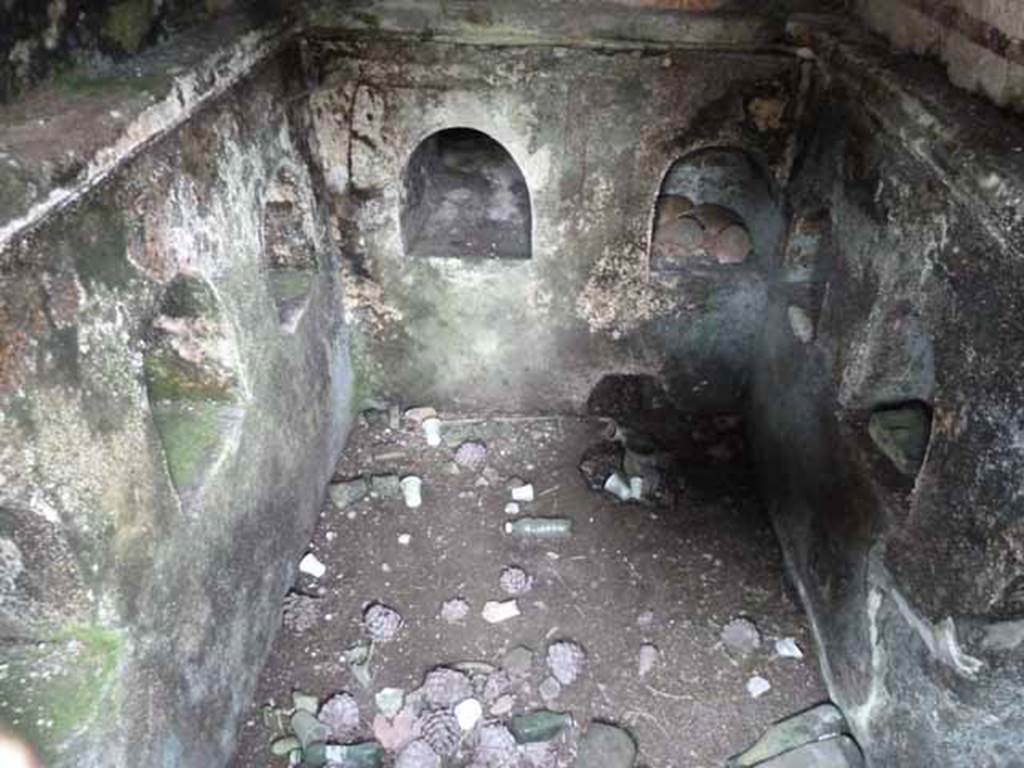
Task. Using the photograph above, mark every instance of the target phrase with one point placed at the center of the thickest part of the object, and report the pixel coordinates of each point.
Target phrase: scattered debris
(540, 527)
(599, 462)
(386, 486)
(541, 725)
(305, 702)
(404, 539)
(445, 687)
(418, 754)
(496, 612)
(432, 430)
(440, 729)
(340, 713)
(301, 612)
(468, 714)
(285, 745)
(821, 722)
(648, 657)
(565, 660)
(523, 492)
(412, 491)
(549, 689)
(604, 745)
(382, 623)
(742, 636)
(348, 492)
(454, 610)
(512, 508)
(618, 486)
(311, 566)
(308, 729)
(471, 455)
(417, 416)
(515, 581)
(757, 686)
(496, 747)
(503, 705)
(389, 701)
(786, 648)
(395, 732)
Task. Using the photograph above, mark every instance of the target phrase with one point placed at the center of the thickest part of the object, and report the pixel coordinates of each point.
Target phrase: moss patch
(289, 285)
(128, 23)
(171, 377)
(54, 690)
(192, 435)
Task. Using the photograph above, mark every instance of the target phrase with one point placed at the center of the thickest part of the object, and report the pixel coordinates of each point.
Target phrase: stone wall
(909, 547)
(594, 132)
(174, 397)
(981, 42)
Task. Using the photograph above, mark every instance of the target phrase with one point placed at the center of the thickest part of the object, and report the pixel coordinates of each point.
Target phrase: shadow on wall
(715, 210)
(463, 196)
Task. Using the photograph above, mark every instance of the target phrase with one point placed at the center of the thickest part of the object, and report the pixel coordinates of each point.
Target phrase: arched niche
(464, 196)
(715, 209)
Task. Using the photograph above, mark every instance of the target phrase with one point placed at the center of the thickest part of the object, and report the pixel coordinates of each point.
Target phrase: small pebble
(512, 508)
(549, 689)
(404, 539)
(786, 648)
(757, 686)
(741, 635)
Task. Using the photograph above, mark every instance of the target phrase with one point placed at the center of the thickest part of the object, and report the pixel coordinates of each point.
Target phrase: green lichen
(128, 23)
(62, 687)
(192, 435)
(171, 377)
(289, 285)
(365, 376)
(85, 84)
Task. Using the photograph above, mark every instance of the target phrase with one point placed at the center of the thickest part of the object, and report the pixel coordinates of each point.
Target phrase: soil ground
(672, 574)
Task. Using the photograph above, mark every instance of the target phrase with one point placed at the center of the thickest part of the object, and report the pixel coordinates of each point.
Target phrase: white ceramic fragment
(412, 491)
(495, 612)
(468, 713)
(432, 430)
(523, 492)
(311, 566)
(757, 686)
(786, 648)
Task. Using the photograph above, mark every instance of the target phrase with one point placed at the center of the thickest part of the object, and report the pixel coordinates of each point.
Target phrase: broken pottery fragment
(648, 657)
(389, 701)
(786, 648)
(445, 687)
(820, 722)
(522, 493)
(468, 714)
(758, 686)
(367, 754)
(495, 612)
(311, 566)
(412, 491)
(420, 414)
(432, 431)
(305, 702)
(395, 732)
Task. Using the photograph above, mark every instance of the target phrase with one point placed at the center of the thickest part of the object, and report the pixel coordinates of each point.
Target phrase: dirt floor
(672, 574)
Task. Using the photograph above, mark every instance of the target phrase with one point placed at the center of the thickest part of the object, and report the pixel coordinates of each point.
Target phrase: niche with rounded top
(464, 196)
(715, 209)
